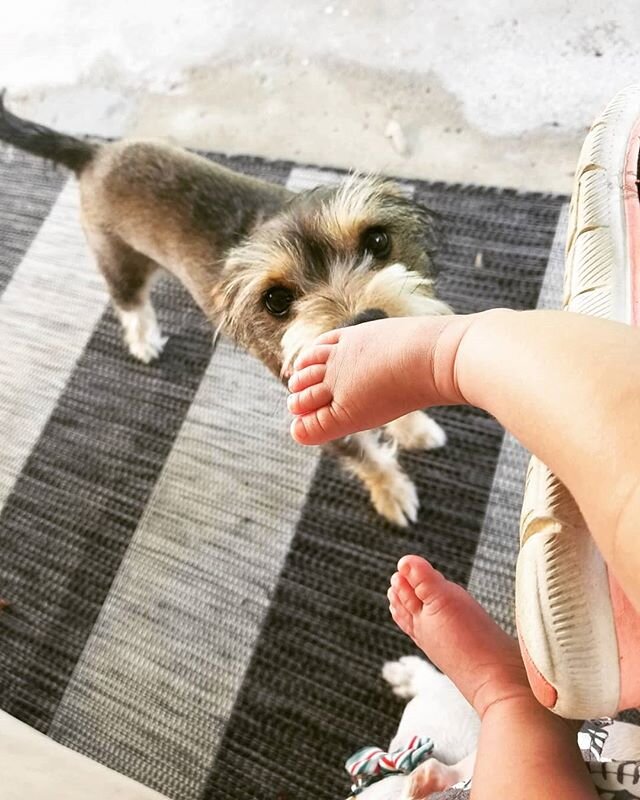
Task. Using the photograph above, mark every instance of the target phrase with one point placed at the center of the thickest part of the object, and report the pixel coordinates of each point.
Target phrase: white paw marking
(142, 334)
(434, 435)
(396, 499)
(417, 431)
(401, 675)
(148, 350)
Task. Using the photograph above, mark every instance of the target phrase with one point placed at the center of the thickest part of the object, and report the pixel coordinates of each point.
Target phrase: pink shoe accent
(627, 621)
(544, 692)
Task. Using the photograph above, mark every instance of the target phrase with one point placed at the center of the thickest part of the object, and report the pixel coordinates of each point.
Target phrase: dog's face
(334, 256)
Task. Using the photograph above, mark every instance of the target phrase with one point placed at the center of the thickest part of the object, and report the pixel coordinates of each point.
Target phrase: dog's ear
(431, 232)
(427, 225)
(222, 296)
(233, 299)
(432, 223)
(225, 296)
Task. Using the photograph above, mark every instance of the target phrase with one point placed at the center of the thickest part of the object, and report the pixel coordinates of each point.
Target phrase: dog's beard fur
(395, 290)
(314, 248)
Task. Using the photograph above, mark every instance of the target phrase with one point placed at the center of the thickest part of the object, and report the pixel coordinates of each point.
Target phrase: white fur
(298, 335)
(395, 289)
(436, 709)
(436, 706)
(392, 493)
(416, 431)
(141, 332)
(401, 284)
(398, 499)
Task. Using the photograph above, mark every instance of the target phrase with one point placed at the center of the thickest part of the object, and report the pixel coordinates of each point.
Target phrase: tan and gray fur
(270, 268)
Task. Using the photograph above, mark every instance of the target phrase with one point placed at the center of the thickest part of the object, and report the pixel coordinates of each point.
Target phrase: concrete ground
(495, 92)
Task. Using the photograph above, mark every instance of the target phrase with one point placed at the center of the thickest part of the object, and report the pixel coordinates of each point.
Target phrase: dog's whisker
(420, 285)
(216, 335)
(278, 404)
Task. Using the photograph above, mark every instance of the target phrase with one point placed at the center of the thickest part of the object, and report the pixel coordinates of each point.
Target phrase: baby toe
(309, 400)
(308, 429)
(330, 337)
(307, 376)
(314, 354)
(418, 573)
(405, 594)
(399, 614)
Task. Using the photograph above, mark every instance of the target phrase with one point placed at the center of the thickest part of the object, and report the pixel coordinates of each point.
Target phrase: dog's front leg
(373, 461)
(416, 431)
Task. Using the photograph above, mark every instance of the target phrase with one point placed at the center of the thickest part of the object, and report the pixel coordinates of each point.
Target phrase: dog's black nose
(368, 315)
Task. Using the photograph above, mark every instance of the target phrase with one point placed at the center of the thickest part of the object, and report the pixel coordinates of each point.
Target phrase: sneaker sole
(566, 605)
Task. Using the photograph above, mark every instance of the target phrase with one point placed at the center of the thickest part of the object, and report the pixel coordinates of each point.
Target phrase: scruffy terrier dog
(270, 268)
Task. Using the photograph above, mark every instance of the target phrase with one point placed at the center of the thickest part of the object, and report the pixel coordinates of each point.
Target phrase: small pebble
(479, 258)
(394, 132)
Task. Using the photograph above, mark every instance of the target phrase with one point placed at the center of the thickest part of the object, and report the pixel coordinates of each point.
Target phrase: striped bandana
(371, 764)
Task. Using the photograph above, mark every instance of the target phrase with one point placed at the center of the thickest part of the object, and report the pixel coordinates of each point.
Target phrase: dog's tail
(45, 142)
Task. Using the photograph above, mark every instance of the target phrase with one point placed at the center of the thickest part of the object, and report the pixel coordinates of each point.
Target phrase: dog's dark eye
(377, 242)
(278, 300)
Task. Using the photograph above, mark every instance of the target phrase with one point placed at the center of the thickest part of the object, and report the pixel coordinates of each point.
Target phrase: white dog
(435, 709)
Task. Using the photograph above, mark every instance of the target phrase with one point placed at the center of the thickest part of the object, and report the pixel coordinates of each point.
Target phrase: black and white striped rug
(196, 601)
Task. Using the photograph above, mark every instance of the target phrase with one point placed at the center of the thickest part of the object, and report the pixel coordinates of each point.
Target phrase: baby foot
(456, 634)
(364, 376)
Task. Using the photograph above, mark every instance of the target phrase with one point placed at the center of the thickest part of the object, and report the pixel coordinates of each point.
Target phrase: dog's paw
(142, 335)
(396, 499)
(402, 675)
(417, 431)
(147, 349)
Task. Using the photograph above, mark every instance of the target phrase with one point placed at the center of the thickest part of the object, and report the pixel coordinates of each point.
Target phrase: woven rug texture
(196, 601)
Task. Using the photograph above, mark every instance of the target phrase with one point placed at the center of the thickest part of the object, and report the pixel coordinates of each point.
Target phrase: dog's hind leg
(129, 275)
